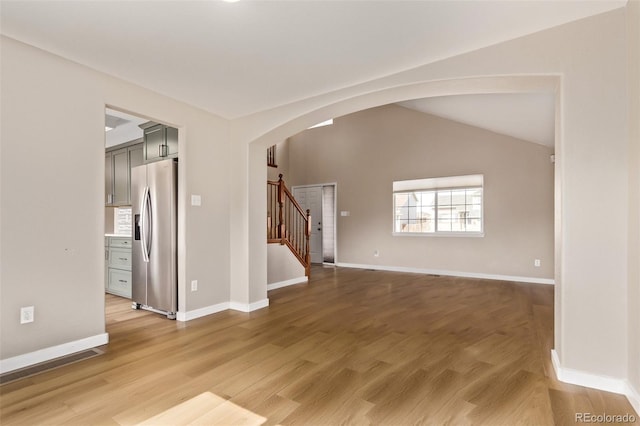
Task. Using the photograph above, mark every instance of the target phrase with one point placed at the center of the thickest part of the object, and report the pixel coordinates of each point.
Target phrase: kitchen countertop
(117, 235)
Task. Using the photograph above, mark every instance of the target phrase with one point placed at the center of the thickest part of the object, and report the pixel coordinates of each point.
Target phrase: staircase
(287, 223)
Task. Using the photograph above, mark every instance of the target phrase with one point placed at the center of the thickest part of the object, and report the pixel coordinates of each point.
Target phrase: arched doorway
(259, 138)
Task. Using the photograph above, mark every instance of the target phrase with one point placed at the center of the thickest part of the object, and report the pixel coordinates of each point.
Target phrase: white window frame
(435, 185)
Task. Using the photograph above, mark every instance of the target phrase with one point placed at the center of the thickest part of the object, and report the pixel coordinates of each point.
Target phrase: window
(271, 156)
(328, 122)
(444, 206)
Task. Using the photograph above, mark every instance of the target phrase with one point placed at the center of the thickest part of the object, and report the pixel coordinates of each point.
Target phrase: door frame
(181, 314)
(335, 215)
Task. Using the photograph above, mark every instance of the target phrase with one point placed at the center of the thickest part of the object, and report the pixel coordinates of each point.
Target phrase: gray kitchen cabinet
(118, 164)
(172, 141)
(160, 142)
(123, 242)
(153, 142)
(108, 178)
(119, 283)
(118, 266)
(136, 155)
(121, 177)
(120, 258)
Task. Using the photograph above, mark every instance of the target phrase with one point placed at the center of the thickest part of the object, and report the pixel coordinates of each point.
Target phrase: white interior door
(310, 197)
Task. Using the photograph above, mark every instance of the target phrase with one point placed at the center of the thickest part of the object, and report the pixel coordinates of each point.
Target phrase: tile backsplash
(122, 221)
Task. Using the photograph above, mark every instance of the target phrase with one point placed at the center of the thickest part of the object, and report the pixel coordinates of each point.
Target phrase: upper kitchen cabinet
(108, 178)
(120, 177)
(136, 155)
(118, 163)
(116, 186)
(160, 142)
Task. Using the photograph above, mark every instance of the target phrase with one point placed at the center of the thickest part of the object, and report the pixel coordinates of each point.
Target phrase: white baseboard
(595, 381)
(633, 395)
(258, 305)
(213, 309)
(590, 380)
(249, 307)
(531, 280)
(198, 313)
(53, 352)
(287, 283)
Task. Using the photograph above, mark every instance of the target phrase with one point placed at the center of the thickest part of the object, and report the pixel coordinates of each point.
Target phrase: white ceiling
(125, 127)
(234, 59)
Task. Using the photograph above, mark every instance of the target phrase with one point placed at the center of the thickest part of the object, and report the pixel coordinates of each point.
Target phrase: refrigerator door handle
(149, 225)
(144, 225)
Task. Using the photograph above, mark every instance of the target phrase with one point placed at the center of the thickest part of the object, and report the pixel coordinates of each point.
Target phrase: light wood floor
(351, 347)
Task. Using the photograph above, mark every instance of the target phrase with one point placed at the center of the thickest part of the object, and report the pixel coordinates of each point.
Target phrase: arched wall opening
(293, 124)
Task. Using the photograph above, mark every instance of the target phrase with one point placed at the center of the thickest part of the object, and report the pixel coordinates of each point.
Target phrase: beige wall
(52, 197)
(366, 151)
(282, 265)
(633, 28)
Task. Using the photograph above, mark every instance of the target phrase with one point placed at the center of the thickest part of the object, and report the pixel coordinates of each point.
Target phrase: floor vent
(32, 370)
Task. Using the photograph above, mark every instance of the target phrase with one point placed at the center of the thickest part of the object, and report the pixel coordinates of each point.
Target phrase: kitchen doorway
(140, 154)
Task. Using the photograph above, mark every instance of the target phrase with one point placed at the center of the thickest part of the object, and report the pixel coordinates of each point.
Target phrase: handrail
(293, 201)
(293, 226)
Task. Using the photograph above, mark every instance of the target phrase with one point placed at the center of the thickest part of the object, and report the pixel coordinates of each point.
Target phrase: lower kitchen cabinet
(119, 282)
(118, 265)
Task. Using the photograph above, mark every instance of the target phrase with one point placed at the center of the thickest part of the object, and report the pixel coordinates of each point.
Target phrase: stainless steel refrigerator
(154, 193)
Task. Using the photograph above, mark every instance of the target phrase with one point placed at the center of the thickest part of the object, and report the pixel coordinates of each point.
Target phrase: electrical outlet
(536, 263)
(26, 314)
(194, 285)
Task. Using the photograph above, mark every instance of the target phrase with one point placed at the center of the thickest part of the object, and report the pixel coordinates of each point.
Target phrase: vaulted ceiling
(526, 116)
(234, 59)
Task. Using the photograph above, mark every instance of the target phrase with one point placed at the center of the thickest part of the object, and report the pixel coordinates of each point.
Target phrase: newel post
(281, 231)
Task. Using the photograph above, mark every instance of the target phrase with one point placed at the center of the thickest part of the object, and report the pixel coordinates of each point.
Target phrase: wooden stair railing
(293, 225)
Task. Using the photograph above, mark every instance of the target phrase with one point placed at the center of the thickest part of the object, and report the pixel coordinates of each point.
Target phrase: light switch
(345, 213)
(196, 200)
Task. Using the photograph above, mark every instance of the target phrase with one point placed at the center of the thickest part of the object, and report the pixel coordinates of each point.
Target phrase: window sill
(439, 234)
